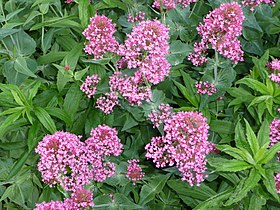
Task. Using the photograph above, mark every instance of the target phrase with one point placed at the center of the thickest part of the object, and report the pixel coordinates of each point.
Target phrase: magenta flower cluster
(67, 161)
(171, 4)
(275, 67)
(144, 52)
(140, 16)
(100, 37)
(205, 88)
(89, 85)
(254, 3)
(158, 117)
(184, 145)
(220, 30)
(80, 199)
(134, 171)
(274, 139)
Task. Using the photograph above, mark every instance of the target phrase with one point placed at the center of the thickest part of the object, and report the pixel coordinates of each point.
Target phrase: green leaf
(155, 186)
(240, 138)
(59, 113)
(236, 153)
(252, 139)
(269, 183)
(256, 202)
(8, 121)
(84, 12)
(45, 119)
(15, 145)
(18, 165)
(186, 192)
(222, 126)
(255, 85)
(178, 52)
(269, 154)
(214, 201)
(32, 139)
(263, 134)
(244, 187)
(7, 32)
(188, 94)
(21, 67)
(72, 100)
(226, 165)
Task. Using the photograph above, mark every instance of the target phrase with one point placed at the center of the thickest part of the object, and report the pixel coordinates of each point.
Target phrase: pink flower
(139, 17)
(275, 67)
(99, 33)
(171, 4)
(220, 30)
(134, 171)
(205, 88)
(184, 145)
(103, 143)
(145, 49)
(158, 117)
(107, 103)
(89, 85)
(63, 160)
(254, 3)
(69, 1)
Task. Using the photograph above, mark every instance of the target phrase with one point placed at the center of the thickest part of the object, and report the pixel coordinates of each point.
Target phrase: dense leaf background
(38, 97)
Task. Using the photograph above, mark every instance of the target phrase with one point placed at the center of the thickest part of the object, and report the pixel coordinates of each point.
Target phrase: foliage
(43, 64)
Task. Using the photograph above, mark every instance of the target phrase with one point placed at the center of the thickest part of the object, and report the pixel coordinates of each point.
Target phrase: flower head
(220, 30)
(89, 85)
(134, 171)
(100, 37)
(205, 88)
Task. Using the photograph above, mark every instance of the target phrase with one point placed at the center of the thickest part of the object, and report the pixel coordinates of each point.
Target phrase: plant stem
(216, 65)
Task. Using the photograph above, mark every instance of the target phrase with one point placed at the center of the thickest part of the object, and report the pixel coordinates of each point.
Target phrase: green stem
(112, 67)
(193, 9)
(216, 65)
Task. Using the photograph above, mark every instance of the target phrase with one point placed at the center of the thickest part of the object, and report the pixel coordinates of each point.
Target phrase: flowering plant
(125, 104)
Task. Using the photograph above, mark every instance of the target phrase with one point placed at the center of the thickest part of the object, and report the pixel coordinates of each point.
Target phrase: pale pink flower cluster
(134, 171)
(171, 4)
(274, 66)
(254, 3)
(89, 85)
(69, 1)
(100, 37)
(220, 30)
(184, 145)
(80, 199)
(274, 139)
(145, 49)
(157, 117)
(67, 161)
(140, 16)
(205, 88)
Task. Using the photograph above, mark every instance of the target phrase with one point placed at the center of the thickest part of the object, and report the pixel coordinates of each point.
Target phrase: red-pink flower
(89, 85)
(220, 30)
(205, 88)
(134, 171)
(275, 67)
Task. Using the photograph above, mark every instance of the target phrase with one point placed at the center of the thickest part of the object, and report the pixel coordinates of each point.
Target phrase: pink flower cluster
(99, 33)
(274, 139)
(254, 3)
(205, 88)
(67, 161)
(69, 1)
(157, 117)
(184, 145)
(220, 31)
(139, 17)
(102, 143)
(171, 4)
(274, 66)
(145, 49)
(134, 171)
(80, 199)
(89, 85)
